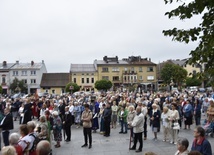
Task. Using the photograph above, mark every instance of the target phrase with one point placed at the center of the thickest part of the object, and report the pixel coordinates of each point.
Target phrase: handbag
(176, 126)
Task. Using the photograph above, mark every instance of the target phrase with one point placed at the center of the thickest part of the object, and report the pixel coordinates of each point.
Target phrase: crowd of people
(101, 112)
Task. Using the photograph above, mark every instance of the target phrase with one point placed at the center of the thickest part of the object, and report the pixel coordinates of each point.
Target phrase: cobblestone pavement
(117, 144)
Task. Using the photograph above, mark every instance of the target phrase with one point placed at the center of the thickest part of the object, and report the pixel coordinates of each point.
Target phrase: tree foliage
(1, 90)
(72, 87)
(173, 73)
(203, 32)
(18, 86)
(193, 81)
(103, 85)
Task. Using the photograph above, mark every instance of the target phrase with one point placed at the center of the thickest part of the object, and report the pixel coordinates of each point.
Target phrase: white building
(31, 73)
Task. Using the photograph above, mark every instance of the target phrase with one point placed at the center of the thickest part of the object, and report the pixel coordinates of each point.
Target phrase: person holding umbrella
(67, 125)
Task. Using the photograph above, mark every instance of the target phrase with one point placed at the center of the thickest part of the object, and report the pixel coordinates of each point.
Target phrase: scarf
(198, 141)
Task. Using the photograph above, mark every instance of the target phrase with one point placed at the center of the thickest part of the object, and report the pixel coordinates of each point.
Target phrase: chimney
(17, 62)
(32, 63)
(4, 63)
(150, 59)
(43, 61)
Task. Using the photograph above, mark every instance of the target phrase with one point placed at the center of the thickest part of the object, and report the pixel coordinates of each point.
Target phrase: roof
(82, 68)
(6, 66)
(54, 79)
(179, 62)
(31, 65)
(119, 62)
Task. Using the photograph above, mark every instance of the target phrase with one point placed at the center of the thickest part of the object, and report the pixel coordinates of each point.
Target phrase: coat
(86, 118)
(7, 122)
(138, 123)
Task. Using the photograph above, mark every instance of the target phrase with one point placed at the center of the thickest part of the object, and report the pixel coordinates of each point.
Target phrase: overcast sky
(62, 32)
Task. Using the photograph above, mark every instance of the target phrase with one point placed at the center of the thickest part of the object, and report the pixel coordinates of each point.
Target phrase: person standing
(200, 143)
(87, 125)
(67, 124)
(57, 128)
(107, 119)
(6, 125)
(155, 117)
(122, 114)
(138, 124)
(27, 112)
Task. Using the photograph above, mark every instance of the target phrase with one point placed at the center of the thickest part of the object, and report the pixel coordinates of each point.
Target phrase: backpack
(35, 142)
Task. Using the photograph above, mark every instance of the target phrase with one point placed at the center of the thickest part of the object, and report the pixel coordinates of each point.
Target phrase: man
(200, 143)
(87, 124)
(67, 124)
(107, 119)
(43, 148)
(6, 125)
(138, 124)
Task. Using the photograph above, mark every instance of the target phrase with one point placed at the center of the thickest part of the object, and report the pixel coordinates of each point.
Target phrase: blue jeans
(123, 125)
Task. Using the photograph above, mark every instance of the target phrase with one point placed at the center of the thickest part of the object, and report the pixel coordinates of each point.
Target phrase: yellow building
(84, 75)
(137, 71)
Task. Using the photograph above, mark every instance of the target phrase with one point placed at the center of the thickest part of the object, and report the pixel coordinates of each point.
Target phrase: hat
(55, 113)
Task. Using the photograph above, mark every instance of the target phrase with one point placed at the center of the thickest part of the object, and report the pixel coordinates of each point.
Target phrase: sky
(62, 32)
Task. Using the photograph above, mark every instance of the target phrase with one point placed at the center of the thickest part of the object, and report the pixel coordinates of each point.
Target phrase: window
(15, 73)
(105, 77)
(53, 91)
(87, 74)
(75, 80)
(33, 81)
(87, 80)
(3, 79)
(125, 69)
(115, 69)
(24, 73)
(82, 80)
(105, 69)
(25, 81)
(149, 69)
(140, 69)
(132, 69)
(115, 78)
(82, 73)
(92, 73)
(92, 80)
(32, 72)
(140, 77)
(150, 77)
(74, 74)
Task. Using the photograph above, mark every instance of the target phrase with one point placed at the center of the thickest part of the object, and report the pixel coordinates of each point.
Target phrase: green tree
(72, 87)
(193, 81)
(1, 90)
(173, 73)
(103, 85)
(203, 32)
(18, 86)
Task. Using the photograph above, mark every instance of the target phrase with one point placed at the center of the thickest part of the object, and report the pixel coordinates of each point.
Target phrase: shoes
(164, 140)
(56, 146)
(145, 138)
(132, 148)
(125, 132)
(171, 142)
(106, 135)
(120, 132)
(138, 151)
(175, 143)
(84, 145)
(89, 147)
(67, 140)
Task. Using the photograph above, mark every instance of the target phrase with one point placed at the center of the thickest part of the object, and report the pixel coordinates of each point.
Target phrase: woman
(21, 113)
(130, 118)
(27, 112)
(25, 140)
(182, 146)
(173, 120)
(8, 150)
(77, 114)
(187, 112)
(57, 128)
(114, 109)
(42, 128)
(14, 140)
(102, 129)
(155, 117)
(210, 111)
(165, 123)
(122, 114)
(197, 112)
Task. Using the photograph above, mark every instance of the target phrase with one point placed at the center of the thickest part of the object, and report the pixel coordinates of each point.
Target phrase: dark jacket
(67, 119)
(204, 148)
(157, 117)
(7, 123)
(107, 114)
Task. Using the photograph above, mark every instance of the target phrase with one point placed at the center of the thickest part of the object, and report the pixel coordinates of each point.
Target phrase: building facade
(30, 73)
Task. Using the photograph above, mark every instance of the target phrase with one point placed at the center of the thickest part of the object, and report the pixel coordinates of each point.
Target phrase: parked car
(193, 88)
(202, 90)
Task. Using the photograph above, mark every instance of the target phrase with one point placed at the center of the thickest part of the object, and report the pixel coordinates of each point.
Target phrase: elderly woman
(165, 123)
(25, 140)
(57, 128)
(114, 109)
(173, 120)
(182, 146)
(130, 118)
(13, 140)
(155, 117)
(8, 150)
(187, 112)
(42, 128)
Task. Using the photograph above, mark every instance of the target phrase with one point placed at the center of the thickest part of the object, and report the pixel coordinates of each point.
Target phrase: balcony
(129, 72)
(129, 81)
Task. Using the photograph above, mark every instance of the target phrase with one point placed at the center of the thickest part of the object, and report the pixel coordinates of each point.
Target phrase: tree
(203, 33)
(193, 81)
(72, 87)
(173, 73)
(103, 85)
(18, 86)
(1, 90)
